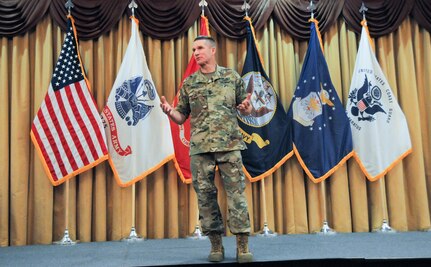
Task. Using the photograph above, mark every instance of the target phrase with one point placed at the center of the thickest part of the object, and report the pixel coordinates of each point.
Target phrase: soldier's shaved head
(209, 39)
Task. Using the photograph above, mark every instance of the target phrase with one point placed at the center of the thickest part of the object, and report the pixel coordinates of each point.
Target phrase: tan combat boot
(217, 249)
(242, 252)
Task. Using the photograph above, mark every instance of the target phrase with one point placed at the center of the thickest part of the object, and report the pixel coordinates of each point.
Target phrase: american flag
(67, 130)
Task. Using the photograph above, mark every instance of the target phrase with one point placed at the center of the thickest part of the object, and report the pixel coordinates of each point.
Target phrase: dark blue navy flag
(265, 131)
(321, 134)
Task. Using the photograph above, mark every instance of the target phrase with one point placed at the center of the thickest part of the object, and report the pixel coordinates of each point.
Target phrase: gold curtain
(32, 211)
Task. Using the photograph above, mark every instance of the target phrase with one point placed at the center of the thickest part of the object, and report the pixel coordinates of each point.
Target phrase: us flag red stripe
(67, 130)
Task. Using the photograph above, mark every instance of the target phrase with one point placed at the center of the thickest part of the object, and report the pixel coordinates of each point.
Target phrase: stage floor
(353, 249)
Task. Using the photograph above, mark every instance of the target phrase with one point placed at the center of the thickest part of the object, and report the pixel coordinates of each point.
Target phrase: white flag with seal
(379, 128)
(138, 133)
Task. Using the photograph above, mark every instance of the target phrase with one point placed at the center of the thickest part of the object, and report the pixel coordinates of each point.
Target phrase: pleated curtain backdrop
(32, 211)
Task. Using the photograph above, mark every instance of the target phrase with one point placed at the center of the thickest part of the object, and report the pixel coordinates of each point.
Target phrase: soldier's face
(203, 52)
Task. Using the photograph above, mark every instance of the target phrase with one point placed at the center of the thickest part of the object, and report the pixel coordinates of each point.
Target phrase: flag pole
(197, 233)
(66, 241)
(385, 228)
(266, 232)
(325, 230)
(133, 236)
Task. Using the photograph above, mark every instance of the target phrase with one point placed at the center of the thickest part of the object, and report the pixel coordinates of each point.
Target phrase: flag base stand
(385, 228)
(133, 237)
(197, 234)
(266, 232)
(326, 230)
(65, 241)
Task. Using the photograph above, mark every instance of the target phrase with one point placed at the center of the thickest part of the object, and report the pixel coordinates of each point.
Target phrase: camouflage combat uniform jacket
(211, 105)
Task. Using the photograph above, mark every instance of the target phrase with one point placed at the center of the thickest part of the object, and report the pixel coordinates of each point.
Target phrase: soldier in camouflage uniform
(211, 97)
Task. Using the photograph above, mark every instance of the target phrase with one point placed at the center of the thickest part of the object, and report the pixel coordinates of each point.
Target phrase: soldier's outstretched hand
(165, 106)
(245, 107)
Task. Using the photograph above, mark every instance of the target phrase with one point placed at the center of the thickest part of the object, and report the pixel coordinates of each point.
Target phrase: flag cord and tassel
(384, 228)
(66, 241)
(325, 230)
(266, 232)
(133, 236)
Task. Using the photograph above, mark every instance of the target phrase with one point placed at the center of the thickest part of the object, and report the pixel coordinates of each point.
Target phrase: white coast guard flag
(379, 128)
(138, 133)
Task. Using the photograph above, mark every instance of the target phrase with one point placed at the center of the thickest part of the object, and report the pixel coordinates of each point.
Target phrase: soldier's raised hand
(245, 107)
(165, 106)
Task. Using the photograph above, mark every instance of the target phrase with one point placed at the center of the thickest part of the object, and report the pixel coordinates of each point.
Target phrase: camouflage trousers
(230, 167)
